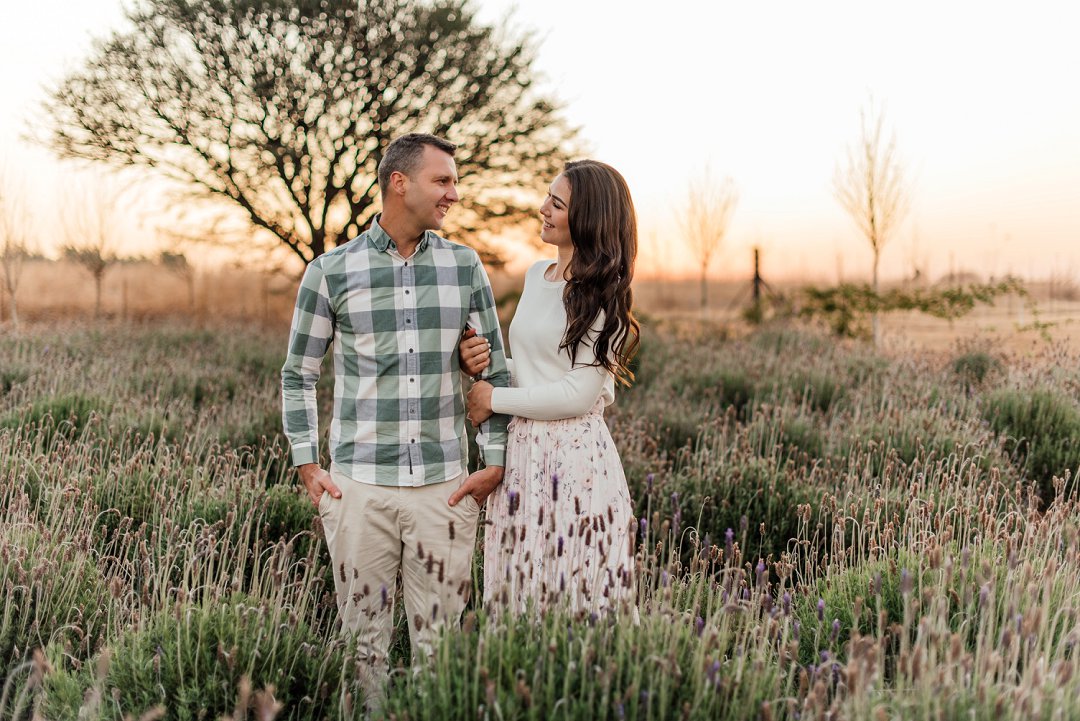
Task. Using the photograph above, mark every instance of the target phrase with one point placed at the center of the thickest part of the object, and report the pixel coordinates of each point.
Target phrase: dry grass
(146, 291)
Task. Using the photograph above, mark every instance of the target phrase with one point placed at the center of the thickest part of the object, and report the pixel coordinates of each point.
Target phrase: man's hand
(474, 353)
(316, 480)
(479, 485)
(479, 400)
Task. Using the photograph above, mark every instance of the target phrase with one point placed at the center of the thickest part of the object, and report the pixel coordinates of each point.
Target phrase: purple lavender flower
(760, 572)
(984, 595)
(643, 524)
(795, 626)
(821, 609)
(713, 673)
(787, 603)
(835, 630)
(664, 578)
(648, 485)
(906, 582)
(699, 625)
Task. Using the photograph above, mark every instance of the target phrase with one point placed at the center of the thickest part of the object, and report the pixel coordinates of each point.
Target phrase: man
(394, 302)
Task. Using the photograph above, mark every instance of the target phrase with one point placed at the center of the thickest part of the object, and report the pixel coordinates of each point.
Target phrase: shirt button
(411, 380)
(408, 320)
(406, 292)
(413, 441)
(410, 350)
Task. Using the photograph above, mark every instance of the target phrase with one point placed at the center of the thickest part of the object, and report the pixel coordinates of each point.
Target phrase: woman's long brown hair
(603, 227)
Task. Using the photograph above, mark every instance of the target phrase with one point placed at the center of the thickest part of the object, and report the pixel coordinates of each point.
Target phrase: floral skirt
(560, 528)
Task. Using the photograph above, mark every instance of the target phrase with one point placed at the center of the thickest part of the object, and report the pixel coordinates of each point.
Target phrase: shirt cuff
(494, 456)
(306, 453)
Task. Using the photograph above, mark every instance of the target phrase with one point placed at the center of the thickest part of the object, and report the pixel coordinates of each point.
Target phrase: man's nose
(452, 196)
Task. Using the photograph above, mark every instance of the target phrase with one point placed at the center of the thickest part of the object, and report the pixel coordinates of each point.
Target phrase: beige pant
(375, 531)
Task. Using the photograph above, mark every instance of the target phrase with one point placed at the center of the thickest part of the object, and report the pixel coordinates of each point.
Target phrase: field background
(826, 530)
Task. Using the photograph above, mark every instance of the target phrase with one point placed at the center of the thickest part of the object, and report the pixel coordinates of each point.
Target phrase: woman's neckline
(544, 275)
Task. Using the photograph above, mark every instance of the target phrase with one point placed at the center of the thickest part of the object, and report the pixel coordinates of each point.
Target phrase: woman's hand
(479, 401)
(474, 353)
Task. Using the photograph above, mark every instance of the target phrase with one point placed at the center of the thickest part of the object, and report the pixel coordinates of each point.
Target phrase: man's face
(431, 189)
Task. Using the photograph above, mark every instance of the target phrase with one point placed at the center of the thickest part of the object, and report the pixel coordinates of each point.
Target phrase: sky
(983, 98)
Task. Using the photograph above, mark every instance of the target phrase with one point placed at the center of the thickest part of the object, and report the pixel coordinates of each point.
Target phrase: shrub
(1041, 429)
(53, 593)
(191, 660)
(588, 667)
(11, 377)
(66, 414)
(973, 367)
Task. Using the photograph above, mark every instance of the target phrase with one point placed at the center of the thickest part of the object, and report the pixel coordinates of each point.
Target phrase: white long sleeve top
(545, 386)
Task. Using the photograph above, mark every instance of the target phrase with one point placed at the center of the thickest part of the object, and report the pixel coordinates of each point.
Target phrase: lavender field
(824, 532)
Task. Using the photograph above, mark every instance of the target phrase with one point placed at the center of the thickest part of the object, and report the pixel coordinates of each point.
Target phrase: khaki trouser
(372, 532)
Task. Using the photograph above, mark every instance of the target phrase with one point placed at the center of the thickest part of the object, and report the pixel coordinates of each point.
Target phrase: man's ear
(398, 182)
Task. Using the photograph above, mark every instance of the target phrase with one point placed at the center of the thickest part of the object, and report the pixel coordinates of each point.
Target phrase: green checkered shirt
(395, 324)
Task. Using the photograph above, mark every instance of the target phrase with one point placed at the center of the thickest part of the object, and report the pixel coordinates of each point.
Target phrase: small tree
(178, 265)
(15, 233)
(89, 220)
(872, 188)
(704, 221)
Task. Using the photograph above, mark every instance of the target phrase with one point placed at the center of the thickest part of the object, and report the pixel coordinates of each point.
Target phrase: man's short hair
(404, 153)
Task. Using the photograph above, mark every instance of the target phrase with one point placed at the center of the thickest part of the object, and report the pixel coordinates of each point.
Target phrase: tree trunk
(875, 319)
(97, 296)
(704, 290)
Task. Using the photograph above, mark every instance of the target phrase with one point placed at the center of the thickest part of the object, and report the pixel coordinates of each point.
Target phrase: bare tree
(704, 220)
(872, 187)
(277, 113)
(90, 225)
(15, 233)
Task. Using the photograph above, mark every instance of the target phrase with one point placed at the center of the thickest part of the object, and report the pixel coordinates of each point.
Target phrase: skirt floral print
(560, 527)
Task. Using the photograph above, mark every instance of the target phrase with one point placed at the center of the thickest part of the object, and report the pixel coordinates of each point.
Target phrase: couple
(406, 311)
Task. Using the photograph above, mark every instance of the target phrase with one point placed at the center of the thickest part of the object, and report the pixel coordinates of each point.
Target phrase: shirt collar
(382, 240)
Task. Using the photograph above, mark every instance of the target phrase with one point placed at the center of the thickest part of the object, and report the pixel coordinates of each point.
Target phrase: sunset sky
(983, 96)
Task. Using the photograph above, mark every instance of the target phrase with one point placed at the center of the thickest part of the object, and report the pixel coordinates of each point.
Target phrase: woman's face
(555, 212)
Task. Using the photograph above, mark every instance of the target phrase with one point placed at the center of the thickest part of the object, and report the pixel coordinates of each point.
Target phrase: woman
(561, 527)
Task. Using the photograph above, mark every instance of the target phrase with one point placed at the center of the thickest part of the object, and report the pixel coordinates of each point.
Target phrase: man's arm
(310, 336)
(484, 318)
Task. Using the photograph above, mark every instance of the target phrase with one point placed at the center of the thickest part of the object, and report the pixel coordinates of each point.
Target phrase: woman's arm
(571, 396)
